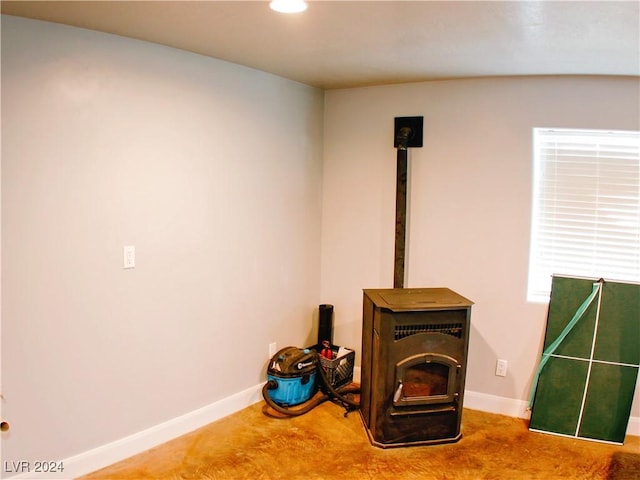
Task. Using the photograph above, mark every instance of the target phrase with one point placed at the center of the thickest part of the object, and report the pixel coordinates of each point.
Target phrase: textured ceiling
(336, 44)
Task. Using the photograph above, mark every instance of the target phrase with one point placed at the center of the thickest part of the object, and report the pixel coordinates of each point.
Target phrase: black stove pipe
(408, 132)
(402, 140)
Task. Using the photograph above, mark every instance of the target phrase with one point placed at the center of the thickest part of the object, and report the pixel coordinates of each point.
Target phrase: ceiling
(340, 44)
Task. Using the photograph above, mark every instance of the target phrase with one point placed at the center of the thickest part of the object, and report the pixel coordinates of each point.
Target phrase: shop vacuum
(297, 378)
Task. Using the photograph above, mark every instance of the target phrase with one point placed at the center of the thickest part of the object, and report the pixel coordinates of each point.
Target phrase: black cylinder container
(325, 324)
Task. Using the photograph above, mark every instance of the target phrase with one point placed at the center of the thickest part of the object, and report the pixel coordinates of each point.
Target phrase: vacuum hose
(330, 393)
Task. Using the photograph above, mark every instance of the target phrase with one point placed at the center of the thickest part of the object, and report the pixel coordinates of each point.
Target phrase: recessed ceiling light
(288, 6)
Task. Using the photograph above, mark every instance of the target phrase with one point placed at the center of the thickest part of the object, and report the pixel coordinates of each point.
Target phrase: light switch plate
(129, 254)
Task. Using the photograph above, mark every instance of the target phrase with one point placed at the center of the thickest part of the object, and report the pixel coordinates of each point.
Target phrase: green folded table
(586, 380)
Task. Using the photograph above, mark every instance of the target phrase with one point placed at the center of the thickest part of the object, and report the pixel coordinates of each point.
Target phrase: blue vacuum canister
(294, 371)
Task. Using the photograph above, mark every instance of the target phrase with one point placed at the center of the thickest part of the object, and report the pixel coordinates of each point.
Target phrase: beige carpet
(323, 444)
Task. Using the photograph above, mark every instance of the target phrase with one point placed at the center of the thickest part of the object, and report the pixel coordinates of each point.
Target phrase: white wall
(213, 172)
(469, 206)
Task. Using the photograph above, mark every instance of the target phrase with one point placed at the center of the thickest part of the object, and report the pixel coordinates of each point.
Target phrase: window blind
(586, 207)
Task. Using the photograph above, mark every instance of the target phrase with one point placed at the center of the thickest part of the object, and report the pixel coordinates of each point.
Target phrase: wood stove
(414, 356)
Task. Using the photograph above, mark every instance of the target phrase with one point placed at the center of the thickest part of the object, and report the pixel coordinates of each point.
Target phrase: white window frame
(586, 207)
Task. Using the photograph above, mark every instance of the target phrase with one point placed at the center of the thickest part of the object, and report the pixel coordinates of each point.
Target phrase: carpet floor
(324, 444)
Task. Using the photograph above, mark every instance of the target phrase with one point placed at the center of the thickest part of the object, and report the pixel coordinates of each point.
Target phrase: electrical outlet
(272, 349)
(501, 368)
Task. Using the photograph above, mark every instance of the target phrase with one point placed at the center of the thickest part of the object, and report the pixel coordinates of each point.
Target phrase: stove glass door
(425, 378)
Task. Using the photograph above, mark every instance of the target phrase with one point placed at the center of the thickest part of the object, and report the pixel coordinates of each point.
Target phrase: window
(586, 207)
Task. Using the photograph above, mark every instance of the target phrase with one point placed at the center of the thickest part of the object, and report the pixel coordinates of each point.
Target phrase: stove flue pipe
(402, 138)
(401, 209)
(408, 133)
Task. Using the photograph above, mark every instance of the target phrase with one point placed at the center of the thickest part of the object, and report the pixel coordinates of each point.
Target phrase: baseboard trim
(485, 402)
(113, 452)
(519, 408)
